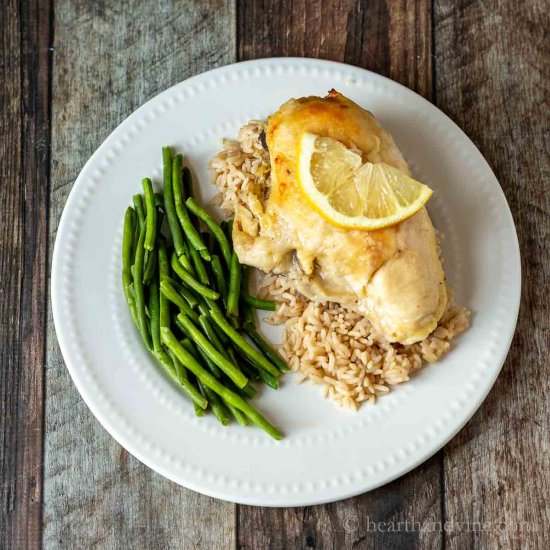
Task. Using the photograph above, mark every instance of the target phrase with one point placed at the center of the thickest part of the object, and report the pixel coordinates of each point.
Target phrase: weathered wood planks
(109, 58)
(24, 133)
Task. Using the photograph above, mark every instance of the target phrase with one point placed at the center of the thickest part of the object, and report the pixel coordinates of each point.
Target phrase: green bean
(189, 346)
(210, 241)
(171, 364)
(164, 271)
(219, 359)
(150, 267)
(218, 408)
(220, 333)
(237, 415)
(198, 353)
(200, 268)
(220, 277)
(185, 292)
(234, 287)
(271, 354)
(248, 392)
(191, 282)
(154, 313)
(151, 220)
(250, 351)
(138, 205)
(258, 303)
(169, 207)
(212, 335)
(219, 235)
(231, 353)
(248, 315)
(255, 372)
(193, 236)
(172, 294)
(212, 367)
(188, 182)
(130, 222)
(186, 385)
(203, 307)
(250, 373)
(180, 369)
(159, 200)
(208, 380)
(198, 411)
(139, 291)
(174, 368)
(267, 379)
(186, 264)
(229, 231)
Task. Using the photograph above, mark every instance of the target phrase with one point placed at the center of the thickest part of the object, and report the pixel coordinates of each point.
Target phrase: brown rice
(323, 341)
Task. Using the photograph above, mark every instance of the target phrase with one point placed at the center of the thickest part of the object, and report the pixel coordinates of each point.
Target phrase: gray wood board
(109, 58)
(24, 131)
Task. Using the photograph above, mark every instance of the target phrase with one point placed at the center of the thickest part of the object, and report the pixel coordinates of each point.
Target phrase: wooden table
(71, 72)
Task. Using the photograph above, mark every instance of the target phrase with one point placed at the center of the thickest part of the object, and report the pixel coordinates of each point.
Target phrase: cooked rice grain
(323, 342)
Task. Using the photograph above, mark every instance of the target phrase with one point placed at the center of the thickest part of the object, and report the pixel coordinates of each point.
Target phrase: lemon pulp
(353, 194)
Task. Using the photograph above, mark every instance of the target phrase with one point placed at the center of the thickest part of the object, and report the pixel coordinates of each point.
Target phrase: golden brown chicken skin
(391, 275)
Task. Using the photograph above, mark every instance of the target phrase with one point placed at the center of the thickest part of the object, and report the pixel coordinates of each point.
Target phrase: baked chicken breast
(391, 275)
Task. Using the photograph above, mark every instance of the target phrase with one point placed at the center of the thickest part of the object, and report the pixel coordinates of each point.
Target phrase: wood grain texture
(24, 131)
(492, 78)
(391, 38)
(394, 39)
(110, 57)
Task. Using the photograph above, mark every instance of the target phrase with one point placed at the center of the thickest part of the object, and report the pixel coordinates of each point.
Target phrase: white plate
(327, 454)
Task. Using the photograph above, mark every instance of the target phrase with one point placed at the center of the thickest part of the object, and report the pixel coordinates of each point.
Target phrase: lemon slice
(350, 194)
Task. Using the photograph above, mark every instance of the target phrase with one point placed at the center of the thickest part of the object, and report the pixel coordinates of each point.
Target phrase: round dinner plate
(326, 454)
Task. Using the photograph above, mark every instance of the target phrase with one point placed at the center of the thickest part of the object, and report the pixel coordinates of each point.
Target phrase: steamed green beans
(271, 354)
(243, 345)
(174, 267)
(173, 295)
(258, 303)
(208, 380)
(130, 221)
(191, 282)
(219, 359)
(139, 291)
(219, 235)
(164, 271)
(220, 277)
(169, 206)
(151, 221)
(234, 286)
(193, 236)
(138, 206)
